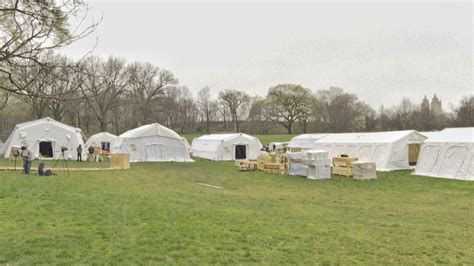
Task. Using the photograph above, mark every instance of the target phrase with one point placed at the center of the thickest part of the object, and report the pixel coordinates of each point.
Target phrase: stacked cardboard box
(363, 170)
(317, 164)
(296, 163)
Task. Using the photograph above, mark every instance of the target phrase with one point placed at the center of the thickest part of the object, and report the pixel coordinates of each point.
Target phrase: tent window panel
(380, 154)
(413, 153)
(240, 152)
(430, 157)
(454, 159)
(46, 149)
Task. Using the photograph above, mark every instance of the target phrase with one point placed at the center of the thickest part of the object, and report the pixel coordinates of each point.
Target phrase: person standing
(79, 153)
(90, 158)
(27, 159)
(96, 153)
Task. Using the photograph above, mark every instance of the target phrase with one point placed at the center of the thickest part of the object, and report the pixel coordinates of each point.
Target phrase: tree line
(111, 94)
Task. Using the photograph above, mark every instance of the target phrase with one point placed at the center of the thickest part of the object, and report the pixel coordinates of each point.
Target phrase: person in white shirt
(27, 159)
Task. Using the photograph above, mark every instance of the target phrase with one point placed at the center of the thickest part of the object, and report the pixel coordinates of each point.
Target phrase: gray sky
(381, 52)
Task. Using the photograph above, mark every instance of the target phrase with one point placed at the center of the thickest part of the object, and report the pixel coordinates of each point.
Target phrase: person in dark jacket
(79, 153)
(90, 158)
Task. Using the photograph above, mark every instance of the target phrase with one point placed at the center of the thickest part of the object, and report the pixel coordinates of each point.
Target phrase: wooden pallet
(248, 166)
(344, 171)
(274, 168)
(281, 158)
(274, 171)
(343, 161)
(262, 160)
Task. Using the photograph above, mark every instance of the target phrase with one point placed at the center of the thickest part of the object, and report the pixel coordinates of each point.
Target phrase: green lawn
(265, 139)
(56, 163)
(157, 213)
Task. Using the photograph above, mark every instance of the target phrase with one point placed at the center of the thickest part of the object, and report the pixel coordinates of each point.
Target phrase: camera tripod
(63, 159)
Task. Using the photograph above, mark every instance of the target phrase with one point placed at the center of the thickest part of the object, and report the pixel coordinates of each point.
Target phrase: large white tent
(153, 143)
(226, 147)
(102, 139)
(389, 150)
(45, 137)
(305, 141)
(448, 154)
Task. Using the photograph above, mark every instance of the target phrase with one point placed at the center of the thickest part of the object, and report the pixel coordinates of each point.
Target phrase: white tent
(153, 143)
(429, 134)
(101, 139)
(277, 145)
(226, 147)
(305, 141)
(45, 137)
(448, 154)
(389, 150)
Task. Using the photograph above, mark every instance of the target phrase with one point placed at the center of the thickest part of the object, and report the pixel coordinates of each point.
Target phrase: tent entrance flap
(240, 152)
(413, 153)
(46, 149)
(105, 146)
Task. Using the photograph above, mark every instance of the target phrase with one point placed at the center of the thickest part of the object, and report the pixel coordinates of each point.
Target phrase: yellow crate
(278, 166)
(343, 161)
(120, 161)
(281, 158)
(274, 171)
(344, 171)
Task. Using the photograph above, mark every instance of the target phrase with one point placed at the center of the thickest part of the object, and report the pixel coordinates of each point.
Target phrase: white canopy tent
(448, 154)
(102, 139)
(45, 137)
(275, 146)
(305, 141)
(389, 150)
(226, 147)
(153, 143)
(429, 134)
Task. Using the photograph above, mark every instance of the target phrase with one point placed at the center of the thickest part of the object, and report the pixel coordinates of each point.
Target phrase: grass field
(157, 213)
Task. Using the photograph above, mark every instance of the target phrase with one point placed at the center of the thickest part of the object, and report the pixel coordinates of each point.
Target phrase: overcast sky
(381, 52)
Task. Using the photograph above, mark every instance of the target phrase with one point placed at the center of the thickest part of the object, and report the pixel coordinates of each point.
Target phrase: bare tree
(147, 83)
(465, 112)
(207, 106)
(289, 103)
(342, 111)
(101, 85)
(31, 28)
(235, 101)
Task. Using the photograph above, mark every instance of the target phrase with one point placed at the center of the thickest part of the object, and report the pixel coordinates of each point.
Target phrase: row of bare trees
(111, 94)
(99, 94)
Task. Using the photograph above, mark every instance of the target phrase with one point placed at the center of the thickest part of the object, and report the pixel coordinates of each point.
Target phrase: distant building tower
(436, 107)
(425, 105)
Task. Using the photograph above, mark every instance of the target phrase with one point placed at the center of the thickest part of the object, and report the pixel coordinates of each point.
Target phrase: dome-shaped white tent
(226, 147)
(45, 137)
(103, 139)
(448, 154)
(389, 150)
(153, 143)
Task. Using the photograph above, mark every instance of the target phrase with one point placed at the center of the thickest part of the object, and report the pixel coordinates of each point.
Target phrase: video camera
(63, 149)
